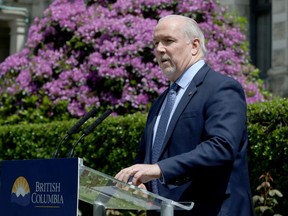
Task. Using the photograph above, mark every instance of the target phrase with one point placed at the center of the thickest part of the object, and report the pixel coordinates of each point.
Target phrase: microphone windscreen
(78, 124)
(97, 122)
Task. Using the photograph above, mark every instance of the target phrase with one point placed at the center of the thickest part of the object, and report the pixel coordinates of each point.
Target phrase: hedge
(111, 146)
(113, 143)
(268, 141)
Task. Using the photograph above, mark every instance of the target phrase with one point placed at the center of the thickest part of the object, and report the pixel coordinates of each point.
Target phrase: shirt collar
(184, 80)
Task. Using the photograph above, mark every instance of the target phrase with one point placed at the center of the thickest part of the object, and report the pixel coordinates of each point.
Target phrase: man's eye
(168, 41)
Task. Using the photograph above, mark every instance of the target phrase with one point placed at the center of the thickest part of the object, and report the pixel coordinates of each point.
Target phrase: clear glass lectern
(105, 192)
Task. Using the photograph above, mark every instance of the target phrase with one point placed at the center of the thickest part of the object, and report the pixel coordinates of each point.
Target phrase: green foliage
(30, 141)
(265, 202)
(109, 148)
(268, 140)
(31, 110)
(113, 144)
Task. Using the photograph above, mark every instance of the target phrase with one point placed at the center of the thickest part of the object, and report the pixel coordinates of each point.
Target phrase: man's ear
(195, 46)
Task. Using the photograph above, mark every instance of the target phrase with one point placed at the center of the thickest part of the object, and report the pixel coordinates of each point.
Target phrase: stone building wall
(278, 74)
(15, 18)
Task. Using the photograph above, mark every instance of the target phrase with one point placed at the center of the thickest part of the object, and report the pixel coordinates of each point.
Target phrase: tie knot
(175, 87)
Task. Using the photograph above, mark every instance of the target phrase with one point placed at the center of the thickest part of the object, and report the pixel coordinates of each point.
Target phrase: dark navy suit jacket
(203, 158)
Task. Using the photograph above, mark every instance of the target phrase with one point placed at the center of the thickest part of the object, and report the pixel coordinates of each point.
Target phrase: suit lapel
(151, 122)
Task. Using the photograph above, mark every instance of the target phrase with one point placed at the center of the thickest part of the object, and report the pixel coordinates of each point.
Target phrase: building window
(5, 41)
(260, 35)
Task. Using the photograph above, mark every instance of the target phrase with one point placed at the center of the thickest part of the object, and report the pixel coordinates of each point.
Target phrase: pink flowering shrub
(100, 53)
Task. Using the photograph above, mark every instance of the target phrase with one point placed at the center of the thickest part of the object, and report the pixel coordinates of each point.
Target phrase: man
(202, 156)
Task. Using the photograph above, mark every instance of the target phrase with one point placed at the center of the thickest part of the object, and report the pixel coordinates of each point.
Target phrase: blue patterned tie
(161, 130)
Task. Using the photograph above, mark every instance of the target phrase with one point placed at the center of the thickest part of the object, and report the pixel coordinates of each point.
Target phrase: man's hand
(139, 173)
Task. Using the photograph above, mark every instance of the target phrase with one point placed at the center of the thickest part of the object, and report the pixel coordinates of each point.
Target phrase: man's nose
(160, 47)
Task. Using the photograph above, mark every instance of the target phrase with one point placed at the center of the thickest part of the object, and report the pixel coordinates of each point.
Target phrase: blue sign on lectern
(39, 187)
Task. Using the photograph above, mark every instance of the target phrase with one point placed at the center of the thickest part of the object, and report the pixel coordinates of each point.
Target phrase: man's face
(173, 48)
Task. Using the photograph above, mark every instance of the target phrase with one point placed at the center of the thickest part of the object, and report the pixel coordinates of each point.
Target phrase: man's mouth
(164, 60)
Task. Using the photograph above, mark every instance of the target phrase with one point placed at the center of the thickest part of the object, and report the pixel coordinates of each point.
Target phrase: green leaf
(278, 193)
(265, 208)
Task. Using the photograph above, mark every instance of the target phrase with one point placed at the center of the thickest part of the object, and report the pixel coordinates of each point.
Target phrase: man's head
(179, 43)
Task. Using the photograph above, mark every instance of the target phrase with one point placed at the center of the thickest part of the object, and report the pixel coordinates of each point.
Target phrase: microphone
(74, 128)
(89, 129)
(78, 124)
